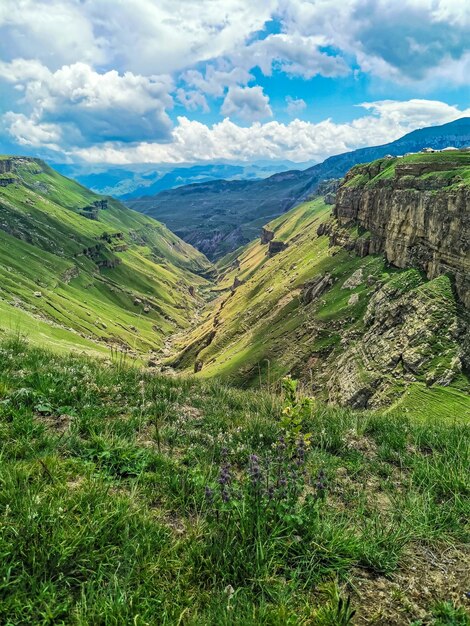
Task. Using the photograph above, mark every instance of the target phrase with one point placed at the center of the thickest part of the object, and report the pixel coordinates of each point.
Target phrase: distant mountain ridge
(134, 181)
(219, 216)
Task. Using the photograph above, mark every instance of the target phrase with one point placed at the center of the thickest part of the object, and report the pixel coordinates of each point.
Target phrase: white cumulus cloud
(89, 106)
(246, 103)
(295, 105)
(297, 141)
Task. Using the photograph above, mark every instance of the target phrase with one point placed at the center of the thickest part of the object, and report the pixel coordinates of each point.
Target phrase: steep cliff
(415, 210)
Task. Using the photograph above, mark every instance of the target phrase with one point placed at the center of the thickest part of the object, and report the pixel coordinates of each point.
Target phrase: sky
(190, 81)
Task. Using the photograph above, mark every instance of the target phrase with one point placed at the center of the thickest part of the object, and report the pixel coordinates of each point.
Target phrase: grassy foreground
(127, 498)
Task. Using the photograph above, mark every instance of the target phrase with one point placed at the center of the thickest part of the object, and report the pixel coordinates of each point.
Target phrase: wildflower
(254, 469)
(225, 477)
(300, 452)
(209, 493)
(321, 484)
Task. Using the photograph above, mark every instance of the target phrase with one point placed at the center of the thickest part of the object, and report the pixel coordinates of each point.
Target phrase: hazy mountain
(138, 180)
(217, 217)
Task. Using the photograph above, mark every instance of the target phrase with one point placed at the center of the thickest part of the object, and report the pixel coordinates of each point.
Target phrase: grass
(86, 276)
(263, 330)
(450, 169)
(130, 498)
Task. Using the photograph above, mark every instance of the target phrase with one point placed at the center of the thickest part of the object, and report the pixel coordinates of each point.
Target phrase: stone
(353, 299)
(37, 294)
(315, 288)
(236, 283)
(266, 235)
(354, 280)
(275, 247)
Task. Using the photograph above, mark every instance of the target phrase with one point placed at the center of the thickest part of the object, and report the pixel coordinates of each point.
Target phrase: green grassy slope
(135, 499)
(450, 169)
(122, 278)
(263, 328)
(262, 325)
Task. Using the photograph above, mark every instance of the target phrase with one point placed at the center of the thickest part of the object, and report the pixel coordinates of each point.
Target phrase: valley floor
(128, 498)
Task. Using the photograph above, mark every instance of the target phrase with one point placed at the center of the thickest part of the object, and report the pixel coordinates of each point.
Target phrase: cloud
(294, 54)
(295, 105)
(298, 141)
(29, 132)
(92, 107)
(406, 41)
(55, 32)
(142, 36)
(80, 73)
(416, 113)
(214, 81)
(247, 103)
(192, 100)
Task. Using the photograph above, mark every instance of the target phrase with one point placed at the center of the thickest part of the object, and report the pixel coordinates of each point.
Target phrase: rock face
(266, 235)
(6, 165)
(328, 189)
(315, 288)
(354, 280)
(275, 247)
(412, 333)
(413, 221)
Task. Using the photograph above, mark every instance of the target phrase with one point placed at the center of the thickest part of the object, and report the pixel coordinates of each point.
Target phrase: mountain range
(133, 181)
(219, 216)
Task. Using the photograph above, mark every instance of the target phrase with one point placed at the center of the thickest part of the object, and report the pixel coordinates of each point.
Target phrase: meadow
(132, 498)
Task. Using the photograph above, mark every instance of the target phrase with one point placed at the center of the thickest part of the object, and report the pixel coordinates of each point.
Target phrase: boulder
(354, 280)
(315, 288)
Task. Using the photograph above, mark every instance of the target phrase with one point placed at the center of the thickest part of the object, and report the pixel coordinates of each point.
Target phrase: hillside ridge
(81, 270)
(329, 294)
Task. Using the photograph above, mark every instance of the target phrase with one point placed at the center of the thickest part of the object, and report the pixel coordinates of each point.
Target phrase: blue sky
(188, 81)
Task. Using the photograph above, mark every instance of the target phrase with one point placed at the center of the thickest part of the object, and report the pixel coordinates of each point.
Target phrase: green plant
(295, 413)
(337, 612)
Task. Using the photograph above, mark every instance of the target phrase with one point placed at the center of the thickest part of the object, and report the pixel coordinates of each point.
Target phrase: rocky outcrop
(69, 274)
(412, 333)
(92, 211)
(426, 228)
(275, 247)
(315, 288)
(236, 283)
(6, 166)
(266, 235)
(354, 280)
(328, 189)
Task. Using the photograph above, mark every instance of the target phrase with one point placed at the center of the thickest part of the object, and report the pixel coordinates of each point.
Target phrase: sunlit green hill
(76, 268)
